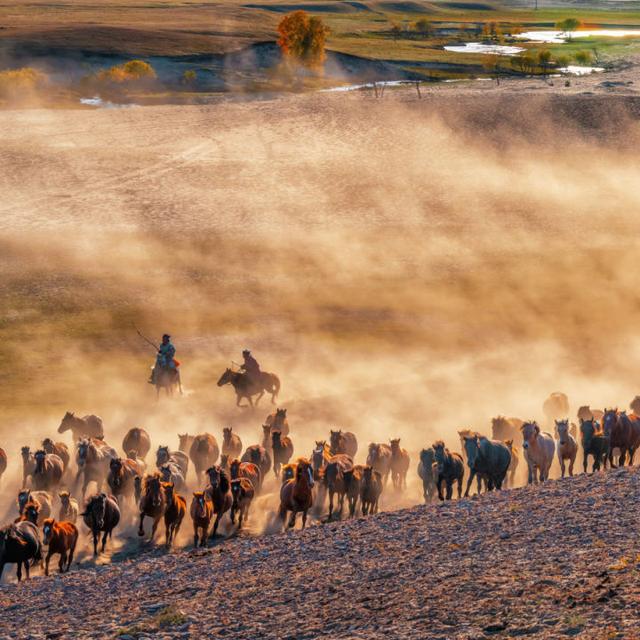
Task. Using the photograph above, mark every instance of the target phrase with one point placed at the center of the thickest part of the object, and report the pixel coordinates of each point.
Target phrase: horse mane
(146, 482)
(224, 480)
(439, 443)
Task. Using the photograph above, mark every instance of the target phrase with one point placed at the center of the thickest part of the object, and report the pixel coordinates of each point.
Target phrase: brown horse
(86, 427)
(219, 491)
(122, 475)
(259, 456)
(93, 458)
(19, 544)
(297, 495)
(282, 450)
(3, 462)
(288, 472)
(400, 462)
(379, 459)
(224, 462)
(320, 456)
(334, 479)
(164, 455)
(343, 442)
(201, 513)
(136, 440)
(30, 514)
(28, 464)
(370, 490)
(203, 453)
(171, 472)
(184, 442)
(267, 442)
(62, 538)
(153, 503)
(246, 470)
(231, 443)
(167, 379)
(101, 514)
(174, 513)
(59, 449)
(245, 387)
(353, 482)
(48, 472)
(41, 498)
(68, 508)
(243, 492)
(278, 421)
(619, 434)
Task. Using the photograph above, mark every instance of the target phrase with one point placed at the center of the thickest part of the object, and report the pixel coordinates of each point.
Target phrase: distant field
(45, 31)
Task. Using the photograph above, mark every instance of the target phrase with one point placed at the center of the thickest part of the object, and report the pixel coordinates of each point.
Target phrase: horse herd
(229, 477)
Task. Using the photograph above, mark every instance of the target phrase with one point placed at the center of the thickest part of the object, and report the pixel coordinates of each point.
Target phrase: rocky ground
(555, 561)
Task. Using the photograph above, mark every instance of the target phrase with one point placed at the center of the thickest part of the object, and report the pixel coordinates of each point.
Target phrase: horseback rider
(250, 366)
(165, 358)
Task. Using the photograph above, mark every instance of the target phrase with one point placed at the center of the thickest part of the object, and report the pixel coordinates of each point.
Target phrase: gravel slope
(542, 562)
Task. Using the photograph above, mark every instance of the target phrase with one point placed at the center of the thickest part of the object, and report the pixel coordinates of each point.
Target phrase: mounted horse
(167, 379)
(245, 387)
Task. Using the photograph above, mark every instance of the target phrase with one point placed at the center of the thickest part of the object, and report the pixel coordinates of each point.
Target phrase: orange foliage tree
(302, 38)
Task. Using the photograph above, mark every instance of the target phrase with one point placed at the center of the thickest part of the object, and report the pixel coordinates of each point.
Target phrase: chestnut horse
(296, 495)
(259, 456)
(68, 508)
(246, 470)
(62, 538)
(203, 453)
(243, 492)
(343, 442)
(219, 491)
(58, 448)
(122, 475)
(174, 513)
(201, 513)
(153, 503)
(400, 462)
(136, 440)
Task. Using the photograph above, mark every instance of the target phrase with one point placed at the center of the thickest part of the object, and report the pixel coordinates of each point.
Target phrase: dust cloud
(406, 267)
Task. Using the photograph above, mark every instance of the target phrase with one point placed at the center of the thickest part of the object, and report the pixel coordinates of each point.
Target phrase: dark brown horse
(282, 448)
(101, 514)
(259, 456)
(246, 470)
(20, 545)
(320, 456)
(343, 442)
(62, 538)
(219, 491)
(3, 462)
(201, 511)
(203, 453)
(153, 503)
(174, 513)
(619, 434)
(297, 495)
(243, 492)
(370, 490)
(60, 449)
(334, 479)
(379, 458)
(28, 464)
(48, 472)
(138, 441)
(450, 470)
(245, 387)
(41, 498)
(231, 443)
(86, 427)
(353, 483)
(122, 475)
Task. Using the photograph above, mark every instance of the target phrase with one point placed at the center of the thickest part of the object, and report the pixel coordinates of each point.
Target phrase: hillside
(554, 561)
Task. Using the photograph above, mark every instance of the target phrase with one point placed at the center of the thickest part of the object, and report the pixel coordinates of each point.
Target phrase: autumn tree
(568, 26)
(302, 38)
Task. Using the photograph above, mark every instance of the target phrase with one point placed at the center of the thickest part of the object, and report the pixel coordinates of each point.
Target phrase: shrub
(423, 27)
(302, 38)
(132, 71)
(17, 83)
(568, 25)
(189, 77)
(583, 57)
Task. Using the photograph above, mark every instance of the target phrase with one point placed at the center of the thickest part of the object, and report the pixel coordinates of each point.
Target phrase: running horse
(167, 379)
(246, 388)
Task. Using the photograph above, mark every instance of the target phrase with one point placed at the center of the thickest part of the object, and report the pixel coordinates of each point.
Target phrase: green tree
(302, 38)
(583, 57)
(563, 61)
(544, 60)
(568, 26)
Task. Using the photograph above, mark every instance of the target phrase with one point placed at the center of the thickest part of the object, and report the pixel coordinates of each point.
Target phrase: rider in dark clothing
(250, 366)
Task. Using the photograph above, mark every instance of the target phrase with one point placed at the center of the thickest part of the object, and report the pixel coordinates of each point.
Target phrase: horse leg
(141, 530)
(469, 481)
(304, 519)
(71, 552)
(562, 465)
(63, 558)
(46, 562)
(330, 503)
(585, 455)
(292, 519)
(449, 489)
(215, 526)
(105, 535)
(19, 570)
(156, 522)
(259, 396)
(571, 462)
(95, 543)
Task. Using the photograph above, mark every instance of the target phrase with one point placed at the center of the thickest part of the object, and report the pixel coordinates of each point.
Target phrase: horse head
(280, 417)
(609, 420)
(31, 512)
(115, 465)
(169, 488)
(562, 429)
(23, 498)
(214, 474)
(440, 454)
(26, 453)
(162, 455)
(226, 434)
(530, 431)
(40, 456)
(227, 377)
(200, 500)
(153, 490)
(304, 472)
(395, 445)
(67, 422)
(83, 450)
(96, 509)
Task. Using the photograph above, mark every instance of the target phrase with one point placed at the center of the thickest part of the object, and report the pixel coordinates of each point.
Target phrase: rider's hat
(246, 352)
(167, 336)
